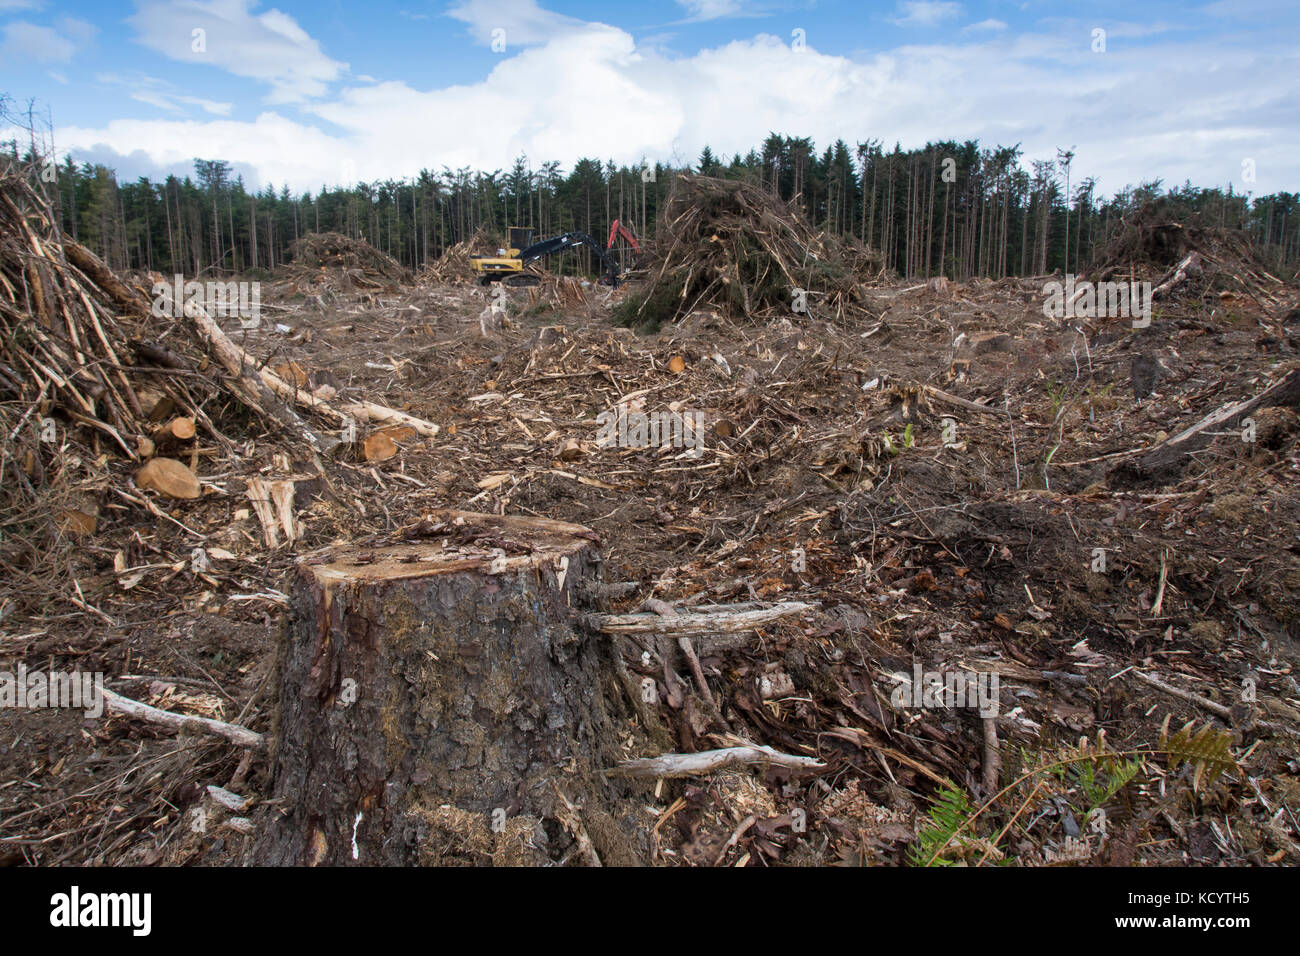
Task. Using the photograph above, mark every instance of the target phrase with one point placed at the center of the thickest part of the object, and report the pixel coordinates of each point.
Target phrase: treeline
(950, 208)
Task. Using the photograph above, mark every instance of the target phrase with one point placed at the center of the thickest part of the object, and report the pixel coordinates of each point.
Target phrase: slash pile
(733, 247)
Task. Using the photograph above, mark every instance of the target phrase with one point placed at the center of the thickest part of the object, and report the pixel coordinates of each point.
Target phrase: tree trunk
(438, 696)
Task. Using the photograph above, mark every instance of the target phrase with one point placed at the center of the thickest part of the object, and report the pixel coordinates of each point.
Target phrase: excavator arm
(608, 264)
(551, 246)
(617, 229)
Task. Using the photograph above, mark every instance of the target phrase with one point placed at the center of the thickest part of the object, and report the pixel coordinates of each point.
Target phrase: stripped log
(722, 620)
(709, 761)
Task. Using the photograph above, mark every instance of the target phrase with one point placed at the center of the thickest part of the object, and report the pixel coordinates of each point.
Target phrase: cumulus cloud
(270, 46)
(1135, 114)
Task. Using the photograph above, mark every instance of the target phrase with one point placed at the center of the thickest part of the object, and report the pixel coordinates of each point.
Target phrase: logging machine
(509, 265)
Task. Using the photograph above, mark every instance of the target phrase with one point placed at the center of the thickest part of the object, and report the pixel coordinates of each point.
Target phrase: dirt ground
(843, 466)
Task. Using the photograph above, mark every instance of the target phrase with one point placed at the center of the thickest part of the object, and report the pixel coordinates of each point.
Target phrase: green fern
(949, 814)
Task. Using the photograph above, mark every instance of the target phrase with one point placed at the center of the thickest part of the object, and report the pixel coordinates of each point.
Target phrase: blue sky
(329, 92)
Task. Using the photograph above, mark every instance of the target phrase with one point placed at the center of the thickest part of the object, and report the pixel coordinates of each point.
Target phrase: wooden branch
(237, 735)
(950, 399)
(571, 819)
(240, 364)
(721, 621)
(1286, 392)
(381, 413)
(123, 296)
(252, 391)
(1191, 265)
(1212, 706)
(992, 772)
(708, 761)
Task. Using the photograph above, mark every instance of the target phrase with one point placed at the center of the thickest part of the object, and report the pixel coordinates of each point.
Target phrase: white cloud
(155, 92)
(700, 10)
(991, 25)
(270, 47)
(1155, 112)
(524, 22)
(924, 13)
(27, 41)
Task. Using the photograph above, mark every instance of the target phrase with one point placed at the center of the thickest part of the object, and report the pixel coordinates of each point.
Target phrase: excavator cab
(518, 239)
(508, 263)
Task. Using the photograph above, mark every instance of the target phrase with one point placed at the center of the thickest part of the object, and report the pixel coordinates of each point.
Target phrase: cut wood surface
(170, 477)
(177, 430)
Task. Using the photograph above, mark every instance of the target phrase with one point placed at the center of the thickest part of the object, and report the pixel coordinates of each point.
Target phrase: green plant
(1207, 750)
(1095, 772)
(1056, 392)
(942, 834)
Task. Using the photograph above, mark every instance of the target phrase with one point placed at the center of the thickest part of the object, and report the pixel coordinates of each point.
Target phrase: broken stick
(721, 621)
(708, 761)
(237, 735)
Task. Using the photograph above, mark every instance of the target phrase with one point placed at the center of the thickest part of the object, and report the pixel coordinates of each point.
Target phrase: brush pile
(732, 247)
(1220, 266)
(332, 261)
(91, 376)
(453, 265)
(86, 376)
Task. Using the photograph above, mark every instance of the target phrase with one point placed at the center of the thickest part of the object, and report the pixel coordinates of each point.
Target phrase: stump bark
(439, 691)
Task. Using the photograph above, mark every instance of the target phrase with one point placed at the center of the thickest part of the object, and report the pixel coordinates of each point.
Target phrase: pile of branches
(556, 292)
(331, 260)
(453, 265)
(1192, 258)
(732, 247)
(81, 372)
(87, 367)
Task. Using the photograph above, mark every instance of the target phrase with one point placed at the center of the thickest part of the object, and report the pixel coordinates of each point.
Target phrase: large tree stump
(439, 691)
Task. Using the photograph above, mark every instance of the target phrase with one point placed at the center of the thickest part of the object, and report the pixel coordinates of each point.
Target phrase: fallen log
(1168, 453)
(1190, 266)
(723, 620)
(274, 397)
(252, 390)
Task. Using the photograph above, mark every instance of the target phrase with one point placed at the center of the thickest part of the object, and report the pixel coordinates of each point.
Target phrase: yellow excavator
(510, 265)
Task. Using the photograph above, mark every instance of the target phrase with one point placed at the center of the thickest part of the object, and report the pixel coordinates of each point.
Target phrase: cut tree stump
(440, 691)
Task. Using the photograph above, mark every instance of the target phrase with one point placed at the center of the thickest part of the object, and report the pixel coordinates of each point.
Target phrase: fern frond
(1207, 750)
